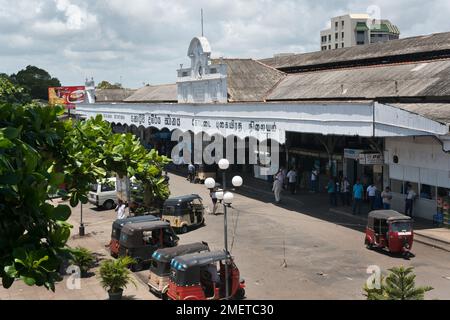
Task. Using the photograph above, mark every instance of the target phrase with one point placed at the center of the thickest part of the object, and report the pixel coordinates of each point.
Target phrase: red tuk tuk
(388, 229)
(201, 276)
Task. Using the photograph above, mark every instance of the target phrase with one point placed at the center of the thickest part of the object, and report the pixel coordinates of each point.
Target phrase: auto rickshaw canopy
(167, 254)
(182, 263)
(178, 206)
(388, 215)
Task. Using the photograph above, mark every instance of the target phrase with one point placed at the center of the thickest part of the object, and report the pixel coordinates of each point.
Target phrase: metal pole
(81, 229)
(225, 226)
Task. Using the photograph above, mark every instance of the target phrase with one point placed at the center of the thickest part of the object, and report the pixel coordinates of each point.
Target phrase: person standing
(386, 195)
(314, 179)
(278, 186)
(371, 194)
(331, 189)
(345, 192)
(292, 178)
(358, 191)
(121, 210)
(409, 201)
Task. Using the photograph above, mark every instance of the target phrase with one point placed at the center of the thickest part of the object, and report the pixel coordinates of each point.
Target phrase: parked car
(104, 193)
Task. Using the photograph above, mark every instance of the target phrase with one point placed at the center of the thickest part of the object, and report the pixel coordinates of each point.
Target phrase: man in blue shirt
(357, 196)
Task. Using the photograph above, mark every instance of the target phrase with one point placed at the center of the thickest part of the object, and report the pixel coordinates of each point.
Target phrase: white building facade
(356, 29)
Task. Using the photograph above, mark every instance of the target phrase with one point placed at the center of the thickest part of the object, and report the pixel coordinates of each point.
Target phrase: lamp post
(227, 198)
(81, 228)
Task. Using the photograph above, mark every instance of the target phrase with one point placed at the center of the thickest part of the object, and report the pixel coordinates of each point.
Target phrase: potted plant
(115, 276)
(83, 258)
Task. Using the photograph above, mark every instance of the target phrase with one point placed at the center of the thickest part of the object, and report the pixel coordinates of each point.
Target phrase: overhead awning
(265, 121)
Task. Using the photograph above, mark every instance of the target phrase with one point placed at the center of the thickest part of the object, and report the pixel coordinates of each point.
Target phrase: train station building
(378, 112)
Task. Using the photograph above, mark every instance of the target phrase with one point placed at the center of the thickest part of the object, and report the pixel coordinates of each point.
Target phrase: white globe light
(224, 164)
(228, 197)
(210, 183)
(219, 195)
(237, 181)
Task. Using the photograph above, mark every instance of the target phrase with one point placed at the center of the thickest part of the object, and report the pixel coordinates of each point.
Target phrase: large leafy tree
(41, 155)
(400, 284)
(36, 81)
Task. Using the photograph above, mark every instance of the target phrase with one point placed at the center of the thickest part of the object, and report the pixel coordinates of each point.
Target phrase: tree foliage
(106, 85)
(10, 93)
(41, 155)
(35, 81)
(398, 285)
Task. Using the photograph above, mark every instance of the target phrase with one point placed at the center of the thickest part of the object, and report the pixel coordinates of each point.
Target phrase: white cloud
(145, 41)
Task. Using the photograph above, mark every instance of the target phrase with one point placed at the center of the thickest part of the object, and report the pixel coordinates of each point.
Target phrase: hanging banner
(371, 158)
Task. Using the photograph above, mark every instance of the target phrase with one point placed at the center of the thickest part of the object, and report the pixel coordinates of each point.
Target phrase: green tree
(41, 155)
(36, 81)
(11, 93)
(398, 285)
(106, 85)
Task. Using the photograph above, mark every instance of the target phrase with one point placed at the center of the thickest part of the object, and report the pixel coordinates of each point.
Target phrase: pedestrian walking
(214, 200)
(120, 209)
(191, 172)
(358, 192)
(292, 179)
(337, 190)
(331, 189)
(409, 201)
(386, 195)
(278, 186)
(345, 192)
(371, 194)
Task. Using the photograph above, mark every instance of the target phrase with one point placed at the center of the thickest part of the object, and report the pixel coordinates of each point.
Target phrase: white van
(104, 193)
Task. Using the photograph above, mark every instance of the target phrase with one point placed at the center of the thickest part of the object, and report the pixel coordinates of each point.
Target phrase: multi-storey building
(356, 29)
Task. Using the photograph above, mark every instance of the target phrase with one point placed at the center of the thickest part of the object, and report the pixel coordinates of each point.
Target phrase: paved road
(323, 251)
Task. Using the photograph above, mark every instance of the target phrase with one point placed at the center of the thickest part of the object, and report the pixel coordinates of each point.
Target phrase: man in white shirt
(372, 193)
(292, 177)
(121, 210)
(314, 178)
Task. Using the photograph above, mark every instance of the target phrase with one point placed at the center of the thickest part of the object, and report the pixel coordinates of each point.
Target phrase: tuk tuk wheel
(137, 266)
(240, 294)
(184, 229)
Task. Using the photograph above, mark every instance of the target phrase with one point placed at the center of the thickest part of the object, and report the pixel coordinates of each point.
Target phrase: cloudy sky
(144, 41)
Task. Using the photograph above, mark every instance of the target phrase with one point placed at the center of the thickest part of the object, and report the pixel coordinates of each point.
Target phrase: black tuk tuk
(139, 240)
(117, 227)
(184, 212)
(158, 279)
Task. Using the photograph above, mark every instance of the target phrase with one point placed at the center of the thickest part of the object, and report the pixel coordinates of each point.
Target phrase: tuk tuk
(205, 171)
(158, 279)
(388, 229)
(117, 227)
(139, 240)
(184, 212)
(201, 276)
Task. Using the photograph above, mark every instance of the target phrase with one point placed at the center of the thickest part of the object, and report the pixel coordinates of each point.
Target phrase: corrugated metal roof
(427, 79)
(156, 93)
(249, 80)
(112, 95)
(427, 43)
(439, 112)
